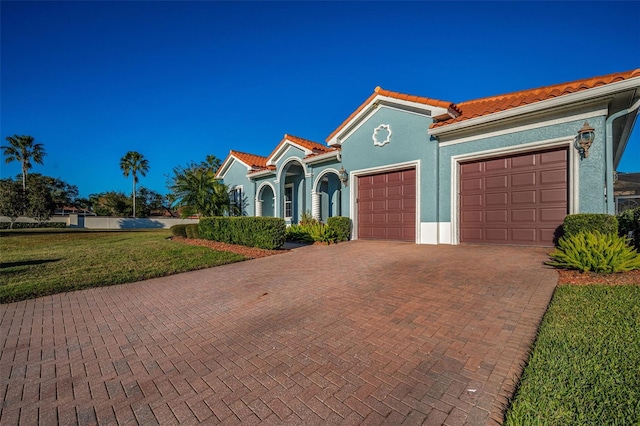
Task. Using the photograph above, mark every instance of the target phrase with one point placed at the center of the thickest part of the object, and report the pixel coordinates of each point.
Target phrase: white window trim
(284, 201)
(573, 164)
(353, 193)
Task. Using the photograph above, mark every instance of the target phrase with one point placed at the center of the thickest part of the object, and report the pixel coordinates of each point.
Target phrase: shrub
(629, 225)
(298, 234)
(192, 231)
(341, 226)
(263, 232)
(307, 219)
(32, 225)
(596, 252)
(587, 222)
(179, 231)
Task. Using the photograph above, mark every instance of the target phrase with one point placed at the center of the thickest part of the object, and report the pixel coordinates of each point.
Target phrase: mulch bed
(250, 252)
(584, 278)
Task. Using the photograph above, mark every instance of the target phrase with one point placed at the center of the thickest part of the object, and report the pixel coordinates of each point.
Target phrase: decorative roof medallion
(382, 135)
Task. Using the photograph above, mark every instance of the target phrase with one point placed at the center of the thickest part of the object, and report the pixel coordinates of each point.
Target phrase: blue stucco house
(504, 169)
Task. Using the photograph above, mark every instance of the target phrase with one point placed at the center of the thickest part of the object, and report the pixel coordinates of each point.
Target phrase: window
(288, 201)
(235, 201)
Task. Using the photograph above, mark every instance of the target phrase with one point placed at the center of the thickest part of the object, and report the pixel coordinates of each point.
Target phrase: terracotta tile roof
(489, 105)
(396, 95)
(253, 161)
(316, 147)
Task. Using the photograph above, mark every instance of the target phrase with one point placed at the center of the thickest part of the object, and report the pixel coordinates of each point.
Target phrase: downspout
(611, 208)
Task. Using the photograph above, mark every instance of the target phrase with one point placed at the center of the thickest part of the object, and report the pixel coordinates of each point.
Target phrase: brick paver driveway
(361, 332)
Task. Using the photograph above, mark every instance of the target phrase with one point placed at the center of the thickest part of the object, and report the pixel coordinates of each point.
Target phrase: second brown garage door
(387, 206)
(518, 200)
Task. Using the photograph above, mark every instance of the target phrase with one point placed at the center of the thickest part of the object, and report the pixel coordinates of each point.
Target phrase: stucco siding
(237, 176)
(590, 171)
(409, 142)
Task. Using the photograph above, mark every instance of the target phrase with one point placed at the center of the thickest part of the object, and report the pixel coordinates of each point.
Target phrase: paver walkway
(360, 332)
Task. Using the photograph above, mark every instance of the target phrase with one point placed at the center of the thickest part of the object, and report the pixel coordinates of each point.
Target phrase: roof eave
(572, 98)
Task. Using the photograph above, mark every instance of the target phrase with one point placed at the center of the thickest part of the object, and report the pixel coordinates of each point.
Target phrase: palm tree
(23, 149)
(134, 162)
(197, 191)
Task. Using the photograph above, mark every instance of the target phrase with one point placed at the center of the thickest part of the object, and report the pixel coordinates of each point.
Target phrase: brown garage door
(387, 206)
(519, 200)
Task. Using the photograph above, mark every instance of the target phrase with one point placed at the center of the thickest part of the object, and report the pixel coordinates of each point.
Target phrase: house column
(315, 205)
(258, 208)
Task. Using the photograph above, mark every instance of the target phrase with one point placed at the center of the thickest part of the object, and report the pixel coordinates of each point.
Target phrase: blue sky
(179, 80)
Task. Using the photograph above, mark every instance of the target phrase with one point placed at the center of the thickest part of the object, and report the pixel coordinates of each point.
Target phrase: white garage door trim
(574, 165)
(353, 193)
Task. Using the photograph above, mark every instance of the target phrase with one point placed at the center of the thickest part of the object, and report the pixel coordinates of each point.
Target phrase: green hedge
(262, 232)
(589, 222)
(32, 225)
(341, 226)
(629, 225)
(179, 231)
(192, 231)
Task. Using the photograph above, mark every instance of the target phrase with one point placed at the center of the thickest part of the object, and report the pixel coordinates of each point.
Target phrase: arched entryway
(327, 196)
(292, 187)
(266, 201)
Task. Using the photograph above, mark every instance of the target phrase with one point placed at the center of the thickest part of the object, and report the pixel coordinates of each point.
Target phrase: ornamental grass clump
(596, 252)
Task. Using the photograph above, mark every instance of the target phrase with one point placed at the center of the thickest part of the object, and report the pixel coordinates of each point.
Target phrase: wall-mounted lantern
(343, 176)
(586, 136)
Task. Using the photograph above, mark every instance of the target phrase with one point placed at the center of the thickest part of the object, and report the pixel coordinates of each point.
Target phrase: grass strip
(584, 368)
(34, 264)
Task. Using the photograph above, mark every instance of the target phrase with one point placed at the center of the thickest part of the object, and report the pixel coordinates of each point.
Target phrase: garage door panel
(523, 197)
(553, 195)
(471, 169)
(497, 235)
(475, 184)
(496, 182)
(554, 157)
(499, 164)
(498, 199)
(523, 161)
(496, 216)
(390, 212)
(471, 200)
(552, 215)
(523, 215)
(472, 235)
(532, 204)
(472, 216)
(553, 177)
(523, 179)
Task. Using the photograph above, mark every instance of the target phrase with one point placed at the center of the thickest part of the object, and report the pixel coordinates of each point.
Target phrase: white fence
(102, 222)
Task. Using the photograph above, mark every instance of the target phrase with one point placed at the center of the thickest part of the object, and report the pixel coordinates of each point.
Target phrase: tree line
(193, 189)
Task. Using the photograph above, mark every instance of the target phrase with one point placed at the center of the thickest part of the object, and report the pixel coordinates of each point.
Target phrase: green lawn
(584, 368)
(35, 263)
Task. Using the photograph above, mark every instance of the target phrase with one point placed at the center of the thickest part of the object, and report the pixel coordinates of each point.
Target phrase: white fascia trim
(353, 193)
(573, 164)
(224, 168)
(261, 173)
(227, 165)
(572, 98)
(537, 125)
(387, 102)
(321, 157)
(276, 155)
